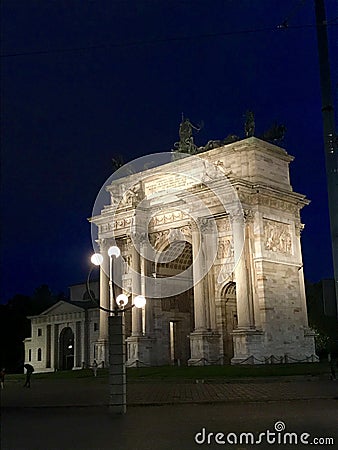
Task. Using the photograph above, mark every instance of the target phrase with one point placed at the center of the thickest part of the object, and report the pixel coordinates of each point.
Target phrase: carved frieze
(270, 202)
(277, 236)
(225, 248)
(118, 224)
(167, 217)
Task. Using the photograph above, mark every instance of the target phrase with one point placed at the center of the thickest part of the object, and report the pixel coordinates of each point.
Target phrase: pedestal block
(248, 346)
(139, 351)
(205, 348)
(102, 352)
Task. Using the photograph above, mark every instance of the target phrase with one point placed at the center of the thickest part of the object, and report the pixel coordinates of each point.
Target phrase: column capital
(139, 237)
(299, 227)
(249, 215)
(237, 216)
(206, 225)
(102, 243)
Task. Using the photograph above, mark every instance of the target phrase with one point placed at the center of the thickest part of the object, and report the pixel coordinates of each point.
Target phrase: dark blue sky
(82, 81)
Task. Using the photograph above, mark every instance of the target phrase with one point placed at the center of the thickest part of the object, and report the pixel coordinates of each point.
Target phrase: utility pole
(330, 136)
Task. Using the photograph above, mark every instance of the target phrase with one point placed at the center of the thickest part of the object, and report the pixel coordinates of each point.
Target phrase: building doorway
(229, 320)
(66, 349)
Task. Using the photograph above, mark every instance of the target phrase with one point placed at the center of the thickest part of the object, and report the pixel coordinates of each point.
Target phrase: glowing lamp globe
(122, 300)
(114, 251)
(97, 259)
(139, 301)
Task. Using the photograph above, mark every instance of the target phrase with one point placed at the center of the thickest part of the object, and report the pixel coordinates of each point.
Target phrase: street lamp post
(116, 335)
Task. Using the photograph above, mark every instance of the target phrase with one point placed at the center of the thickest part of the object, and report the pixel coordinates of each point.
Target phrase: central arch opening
(177, 311)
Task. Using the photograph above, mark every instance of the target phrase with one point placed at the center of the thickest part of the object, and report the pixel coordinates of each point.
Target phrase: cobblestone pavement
(94, 392)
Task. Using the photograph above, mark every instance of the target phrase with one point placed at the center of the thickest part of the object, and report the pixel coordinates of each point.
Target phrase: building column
(309, 346)
(147, 323)
(241, 272)
(248, 342)
(48, 359)
(102, 343)
(139, 346)
(198, 266)
(56, 347)
(204, 342)
(52, 348)
(78, 342)
(136, 324)
(210, 246)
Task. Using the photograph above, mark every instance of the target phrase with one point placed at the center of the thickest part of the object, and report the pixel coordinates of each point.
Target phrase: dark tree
(15, 327)
(325, 327)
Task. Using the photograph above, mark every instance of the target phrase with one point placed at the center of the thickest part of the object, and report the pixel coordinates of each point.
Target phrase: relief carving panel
(277, 236)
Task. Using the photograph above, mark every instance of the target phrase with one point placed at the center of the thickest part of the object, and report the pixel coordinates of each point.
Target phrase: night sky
(84, 81)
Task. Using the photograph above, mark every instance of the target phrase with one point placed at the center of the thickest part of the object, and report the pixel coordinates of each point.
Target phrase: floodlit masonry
(213, 242)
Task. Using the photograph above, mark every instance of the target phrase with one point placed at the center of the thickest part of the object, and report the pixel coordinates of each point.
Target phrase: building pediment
(61, 307)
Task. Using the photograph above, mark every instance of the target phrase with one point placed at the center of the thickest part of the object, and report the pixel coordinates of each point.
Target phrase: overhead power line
(155, 41)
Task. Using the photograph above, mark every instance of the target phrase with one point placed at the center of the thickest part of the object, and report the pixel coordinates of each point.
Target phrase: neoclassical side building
(213, 242)
(63, 337)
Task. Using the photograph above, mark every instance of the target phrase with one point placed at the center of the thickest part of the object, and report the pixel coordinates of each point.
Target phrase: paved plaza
(94, 391)
(72, 414)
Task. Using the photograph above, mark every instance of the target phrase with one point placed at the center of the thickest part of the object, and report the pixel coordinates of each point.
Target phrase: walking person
(95, 366)
(2, 377)
(29, 371)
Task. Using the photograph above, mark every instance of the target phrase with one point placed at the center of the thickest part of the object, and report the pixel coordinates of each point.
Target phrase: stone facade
(234, 292)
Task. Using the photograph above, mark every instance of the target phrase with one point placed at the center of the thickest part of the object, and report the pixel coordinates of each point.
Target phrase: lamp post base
(117, 365)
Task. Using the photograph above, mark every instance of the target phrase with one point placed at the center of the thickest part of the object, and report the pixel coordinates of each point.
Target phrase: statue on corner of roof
(186, 143)
(249, 126)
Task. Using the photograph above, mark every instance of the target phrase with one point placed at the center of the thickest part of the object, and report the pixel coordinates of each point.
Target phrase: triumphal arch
(213, 242)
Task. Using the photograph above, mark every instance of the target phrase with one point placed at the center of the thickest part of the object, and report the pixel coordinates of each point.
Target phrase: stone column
(145, 273)
(77, 344)
(298, 228)
(56, 347)
(204, 343)
(102, 343)
(249, 221)
(104, 296)
(198, 266)
(210, 250)
(52, 349)
(247, 340)
(139, 345)
(136, 324)
(308, 347)
(241, 276)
